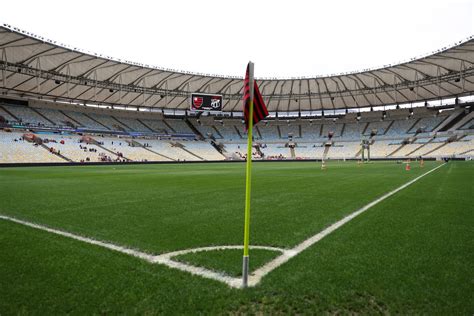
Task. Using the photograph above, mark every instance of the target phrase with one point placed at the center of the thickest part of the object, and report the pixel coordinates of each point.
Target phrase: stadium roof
(37, 67)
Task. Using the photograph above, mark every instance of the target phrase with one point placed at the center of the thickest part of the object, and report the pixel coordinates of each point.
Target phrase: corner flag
(251, 115)
(260, 110)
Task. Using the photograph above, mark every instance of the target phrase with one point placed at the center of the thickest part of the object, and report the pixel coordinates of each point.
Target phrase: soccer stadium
(127, 188)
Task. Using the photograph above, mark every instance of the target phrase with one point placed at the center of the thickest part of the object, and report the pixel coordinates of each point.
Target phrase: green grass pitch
(413, 253)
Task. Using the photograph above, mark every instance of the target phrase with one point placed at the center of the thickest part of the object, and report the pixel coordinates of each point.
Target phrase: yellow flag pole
(245, 262)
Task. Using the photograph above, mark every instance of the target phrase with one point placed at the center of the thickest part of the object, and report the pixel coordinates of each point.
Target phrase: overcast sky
(284, 38)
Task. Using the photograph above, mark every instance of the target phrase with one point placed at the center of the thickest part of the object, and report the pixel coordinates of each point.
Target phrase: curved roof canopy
(37, 67)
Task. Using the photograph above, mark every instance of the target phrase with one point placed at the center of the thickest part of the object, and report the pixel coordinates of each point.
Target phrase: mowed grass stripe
(145, 208)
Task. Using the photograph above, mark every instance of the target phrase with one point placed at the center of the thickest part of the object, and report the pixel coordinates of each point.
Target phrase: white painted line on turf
(202, 272)
(169, 255)
(258, 274)
(166, 259)
(254, 278)
(91, 241)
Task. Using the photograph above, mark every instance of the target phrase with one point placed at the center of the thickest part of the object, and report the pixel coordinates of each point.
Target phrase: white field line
(91, 241)
(169, 255)
(258, 274)
(255, 277)
(165, 259)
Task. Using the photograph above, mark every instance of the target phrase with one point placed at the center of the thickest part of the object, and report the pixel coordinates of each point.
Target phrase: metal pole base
(245, 271)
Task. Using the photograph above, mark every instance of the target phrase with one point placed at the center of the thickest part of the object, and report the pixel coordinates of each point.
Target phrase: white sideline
(258, 274)
(91, 241)
(165, 259)
(254, 278)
